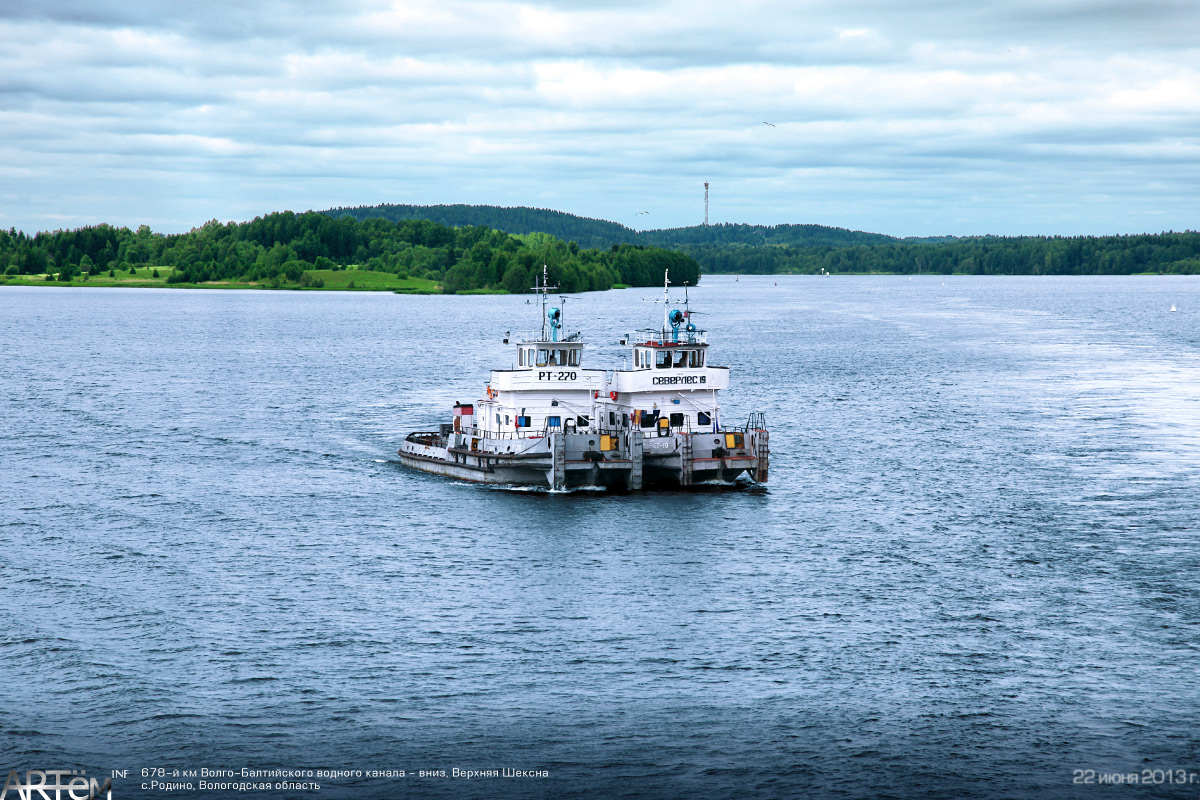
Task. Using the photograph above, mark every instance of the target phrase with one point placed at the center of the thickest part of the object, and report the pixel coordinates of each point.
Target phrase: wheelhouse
(538, 354)
(672, 356)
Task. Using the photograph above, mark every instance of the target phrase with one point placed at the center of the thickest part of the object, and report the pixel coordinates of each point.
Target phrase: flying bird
(772, 124)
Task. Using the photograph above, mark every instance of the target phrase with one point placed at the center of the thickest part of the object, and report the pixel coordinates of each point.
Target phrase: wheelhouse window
(696, 359)
(680, 359)
(521, 357)
(573, 354)
(542, 357)
(662, 359)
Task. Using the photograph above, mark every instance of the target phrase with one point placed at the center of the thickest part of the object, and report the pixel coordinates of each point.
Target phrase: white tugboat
(550, 422)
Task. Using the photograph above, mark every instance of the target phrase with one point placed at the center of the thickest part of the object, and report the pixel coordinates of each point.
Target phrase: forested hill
(587, 233)
(603, 234)
(762, 235)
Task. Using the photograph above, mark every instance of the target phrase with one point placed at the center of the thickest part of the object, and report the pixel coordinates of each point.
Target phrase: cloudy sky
(920, 117)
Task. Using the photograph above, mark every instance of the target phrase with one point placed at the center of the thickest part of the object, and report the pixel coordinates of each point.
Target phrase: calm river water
(975, 572)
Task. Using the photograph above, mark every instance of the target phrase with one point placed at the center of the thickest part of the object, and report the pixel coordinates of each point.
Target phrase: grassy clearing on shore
(353, 280)
(143, 277)
(365, 281)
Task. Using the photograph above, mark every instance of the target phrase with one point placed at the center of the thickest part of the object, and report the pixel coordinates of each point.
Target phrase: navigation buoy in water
(1173, 308)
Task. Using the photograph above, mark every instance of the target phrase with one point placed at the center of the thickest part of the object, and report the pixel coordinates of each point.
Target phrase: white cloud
(1054, 116)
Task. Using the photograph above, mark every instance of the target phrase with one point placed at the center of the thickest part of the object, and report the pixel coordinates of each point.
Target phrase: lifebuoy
(612, 396)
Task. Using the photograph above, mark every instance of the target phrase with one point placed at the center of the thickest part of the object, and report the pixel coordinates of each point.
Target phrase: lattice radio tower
(706, 204)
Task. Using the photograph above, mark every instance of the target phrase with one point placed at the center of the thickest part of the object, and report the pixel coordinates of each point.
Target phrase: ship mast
(666, 302)
(544, 289)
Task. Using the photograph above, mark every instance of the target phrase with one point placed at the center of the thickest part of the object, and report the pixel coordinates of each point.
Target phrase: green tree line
(985, 255)
(283, 248)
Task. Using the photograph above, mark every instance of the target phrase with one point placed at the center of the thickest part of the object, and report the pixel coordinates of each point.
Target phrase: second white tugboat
(552, 423)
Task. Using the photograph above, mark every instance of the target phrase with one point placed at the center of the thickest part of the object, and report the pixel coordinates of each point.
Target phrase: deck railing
(536, 337)
(756, 421)
(668, 338)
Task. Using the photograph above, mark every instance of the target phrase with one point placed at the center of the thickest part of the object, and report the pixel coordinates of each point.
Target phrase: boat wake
(513, 487)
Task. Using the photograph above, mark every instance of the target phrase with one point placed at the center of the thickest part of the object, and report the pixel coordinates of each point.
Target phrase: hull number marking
(672, 380)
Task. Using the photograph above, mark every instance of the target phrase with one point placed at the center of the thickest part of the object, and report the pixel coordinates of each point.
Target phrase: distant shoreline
(364, 281)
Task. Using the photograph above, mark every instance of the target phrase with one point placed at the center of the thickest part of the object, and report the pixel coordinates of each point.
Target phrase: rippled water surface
(975, 569)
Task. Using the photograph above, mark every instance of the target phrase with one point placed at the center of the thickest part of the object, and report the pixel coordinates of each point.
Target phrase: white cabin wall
(538, 408)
